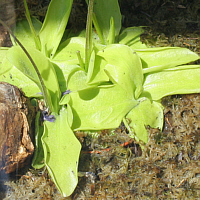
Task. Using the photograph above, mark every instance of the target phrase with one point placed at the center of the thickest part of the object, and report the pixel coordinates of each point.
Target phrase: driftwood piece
(16, 117)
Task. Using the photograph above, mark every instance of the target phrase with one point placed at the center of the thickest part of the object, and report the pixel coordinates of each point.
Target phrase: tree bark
(16, 119)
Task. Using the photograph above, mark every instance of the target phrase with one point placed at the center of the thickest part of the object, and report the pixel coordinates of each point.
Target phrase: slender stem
(98, 30)
(111, 35)
(28, 17)
(44, 89)
(88, 45)
(80, 59)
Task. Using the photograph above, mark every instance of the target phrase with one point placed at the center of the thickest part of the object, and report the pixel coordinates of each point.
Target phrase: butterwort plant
(106, 76)
(123, 79)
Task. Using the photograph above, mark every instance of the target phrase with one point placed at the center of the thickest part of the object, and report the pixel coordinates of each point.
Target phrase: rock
(16, 119)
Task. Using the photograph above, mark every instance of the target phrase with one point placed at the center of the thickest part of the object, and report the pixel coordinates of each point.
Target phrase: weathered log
(16, 120)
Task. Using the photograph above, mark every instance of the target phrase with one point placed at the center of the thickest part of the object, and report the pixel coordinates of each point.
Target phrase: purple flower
(46, 117)
(66, 92)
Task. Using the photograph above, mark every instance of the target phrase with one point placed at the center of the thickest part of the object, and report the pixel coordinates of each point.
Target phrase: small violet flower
(66, 92)
(46, 117)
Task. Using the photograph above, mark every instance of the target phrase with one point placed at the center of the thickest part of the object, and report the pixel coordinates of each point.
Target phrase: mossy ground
(169, 165)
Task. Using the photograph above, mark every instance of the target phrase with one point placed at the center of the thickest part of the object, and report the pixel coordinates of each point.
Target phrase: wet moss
(35, 184)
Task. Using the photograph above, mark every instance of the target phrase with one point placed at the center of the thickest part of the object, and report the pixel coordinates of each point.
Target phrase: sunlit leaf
(104, 10)
(17, 78)
(67, 51)
(54, 25)
(5, 65)
(165, 57)
(169, 82)
(23, 32)
(77, 81)
(96, 73)
(145, 113)
(131, 37)
(64, 72)
(95, 36)
(100, 108)
(125, 72)
(111, 34)
(61, 153)
(20, 60)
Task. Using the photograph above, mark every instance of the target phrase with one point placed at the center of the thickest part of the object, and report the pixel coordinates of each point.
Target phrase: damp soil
(112, 165)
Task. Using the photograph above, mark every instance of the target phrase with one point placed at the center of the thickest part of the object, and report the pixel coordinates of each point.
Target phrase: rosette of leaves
(111, 76)
(121, 78)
